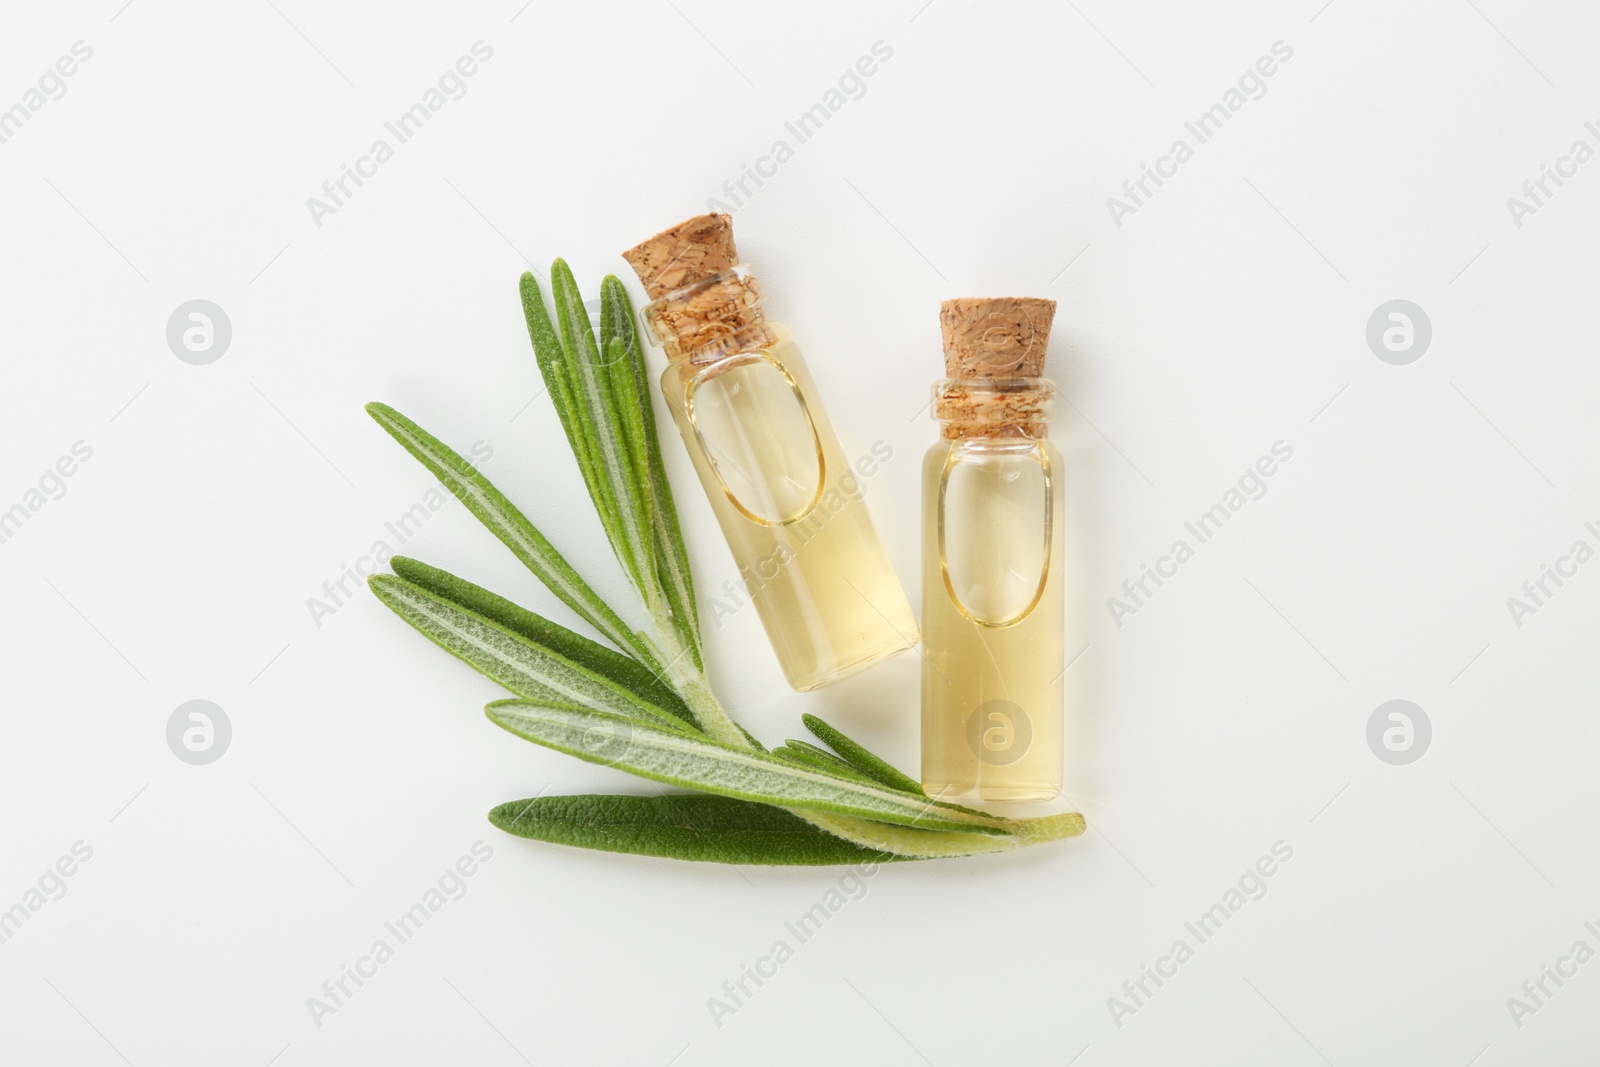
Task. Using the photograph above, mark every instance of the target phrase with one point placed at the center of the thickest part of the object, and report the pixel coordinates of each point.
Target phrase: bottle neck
(994, 407)
(717, 316)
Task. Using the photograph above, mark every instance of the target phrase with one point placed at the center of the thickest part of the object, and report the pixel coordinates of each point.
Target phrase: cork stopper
(705, 306)
(995, 337)
(697, 248)
(994, 356)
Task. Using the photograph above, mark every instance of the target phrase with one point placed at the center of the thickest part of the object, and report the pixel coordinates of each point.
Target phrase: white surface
(1228, 714)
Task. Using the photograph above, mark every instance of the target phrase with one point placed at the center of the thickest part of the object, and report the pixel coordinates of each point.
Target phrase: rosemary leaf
(521, 665)
(694, 826)
(556, 368)
(672, 559)
(512, 527)
(681, 759)
(802, 754)
(624, 389)
(608, 663)
(598, 412)
(861, 759)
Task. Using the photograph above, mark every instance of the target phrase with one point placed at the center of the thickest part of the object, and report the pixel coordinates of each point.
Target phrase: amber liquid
(791, 507)
(992, 620)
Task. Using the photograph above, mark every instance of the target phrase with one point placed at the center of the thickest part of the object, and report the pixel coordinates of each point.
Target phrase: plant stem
(708, 711)
(689, 679)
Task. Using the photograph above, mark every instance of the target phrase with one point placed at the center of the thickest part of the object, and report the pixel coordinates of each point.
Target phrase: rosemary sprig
(644, 705)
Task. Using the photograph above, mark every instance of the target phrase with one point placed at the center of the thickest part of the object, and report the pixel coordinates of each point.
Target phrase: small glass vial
(787, 497)
(992, 611)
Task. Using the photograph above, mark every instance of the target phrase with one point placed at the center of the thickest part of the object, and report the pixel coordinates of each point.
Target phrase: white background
(1228, 714)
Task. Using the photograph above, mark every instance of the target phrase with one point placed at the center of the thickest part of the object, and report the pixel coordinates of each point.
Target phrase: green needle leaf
(802, 754)
(599, 413)
(608, 663)
(512, 527)
(702, 827)
(681, 759)
(672, 559)
(555, 366)
(861, 759)
(624, 389)
(522, 666)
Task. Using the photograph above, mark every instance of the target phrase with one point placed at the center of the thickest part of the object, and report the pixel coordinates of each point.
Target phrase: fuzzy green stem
(689, 680)
(708, 711)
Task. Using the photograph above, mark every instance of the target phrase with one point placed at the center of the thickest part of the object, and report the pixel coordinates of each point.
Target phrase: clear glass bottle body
(791, 507)
(992, 619)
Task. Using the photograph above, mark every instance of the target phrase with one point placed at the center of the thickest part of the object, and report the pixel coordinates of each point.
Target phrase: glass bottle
(787, 497)
(992, 610)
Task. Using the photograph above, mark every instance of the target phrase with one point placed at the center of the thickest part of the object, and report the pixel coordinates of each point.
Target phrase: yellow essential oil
(788, 499)
(992, 605)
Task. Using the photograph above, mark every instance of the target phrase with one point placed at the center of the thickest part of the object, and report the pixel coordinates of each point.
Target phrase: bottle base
(817, 679)
(991, 793)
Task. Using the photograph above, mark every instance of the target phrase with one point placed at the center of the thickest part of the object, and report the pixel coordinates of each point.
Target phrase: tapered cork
(697, 248)
(1000, 341)
(703, 309)
(995, 337)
